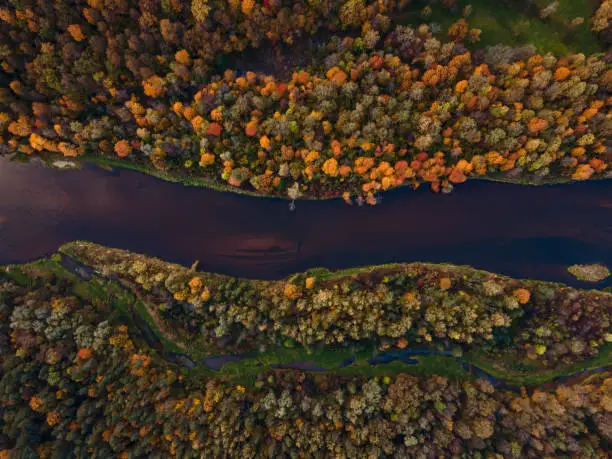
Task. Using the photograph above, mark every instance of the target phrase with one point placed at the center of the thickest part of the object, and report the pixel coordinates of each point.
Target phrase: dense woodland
(91, 339)
(388, 105)
(77, 381)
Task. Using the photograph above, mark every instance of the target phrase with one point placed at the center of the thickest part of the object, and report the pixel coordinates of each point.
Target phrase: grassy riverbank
(528, 373)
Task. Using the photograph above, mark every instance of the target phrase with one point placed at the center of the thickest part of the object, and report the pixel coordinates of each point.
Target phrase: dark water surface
(520, 231)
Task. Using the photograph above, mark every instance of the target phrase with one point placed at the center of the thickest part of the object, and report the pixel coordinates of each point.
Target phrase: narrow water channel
(520, 231)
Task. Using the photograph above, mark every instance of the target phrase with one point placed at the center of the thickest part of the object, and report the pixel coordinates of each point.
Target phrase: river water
(533, 232)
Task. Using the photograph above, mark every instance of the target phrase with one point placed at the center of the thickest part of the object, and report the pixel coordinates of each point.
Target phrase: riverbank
(182, 177)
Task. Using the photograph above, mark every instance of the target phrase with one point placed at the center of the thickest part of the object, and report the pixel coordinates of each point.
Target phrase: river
(521, 231)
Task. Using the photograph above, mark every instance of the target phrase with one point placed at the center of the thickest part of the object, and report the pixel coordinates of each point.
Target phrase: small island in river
(590, 273)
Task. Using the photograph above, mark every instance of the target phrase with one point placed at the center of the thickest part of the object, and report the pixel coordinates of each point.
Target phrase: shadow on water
(520, 231)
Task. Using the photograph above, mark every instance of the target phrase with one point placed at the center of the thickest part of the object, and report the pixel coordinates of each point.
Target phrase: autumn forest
(107, 352)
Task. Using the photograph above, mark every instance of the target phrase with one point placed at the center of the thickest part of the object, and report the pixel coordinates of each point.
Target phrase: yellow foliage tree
(264, 141)
(583, 172)
(562, 73)
(330, 167)
(207, 159)
(251, 128)
(75, 31)
(200, 10)
(247, 6)
(37, 142)
(36, 403)
(522, 295)
(154, 86)
(336, 75)
(182, 57)
(291, 291)
(20, 128)
(123, 148)
(68, 150)
(445, 283)
(195, 284)
(353, 12)
(205, 295)
(53, 418)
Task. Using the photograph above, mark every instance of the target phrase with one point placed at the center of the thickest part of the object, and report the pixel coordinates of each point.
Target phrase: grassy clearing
(245, 372)
(514, 23)
(505, 369)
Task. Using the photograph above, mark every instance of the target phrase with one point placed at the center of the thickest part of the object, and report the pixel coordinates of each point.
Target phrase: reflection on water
(520, 231)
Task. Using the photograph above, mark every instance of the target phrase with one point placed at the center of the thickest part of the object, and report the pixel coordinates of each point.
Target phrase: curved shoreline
(202, 182)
